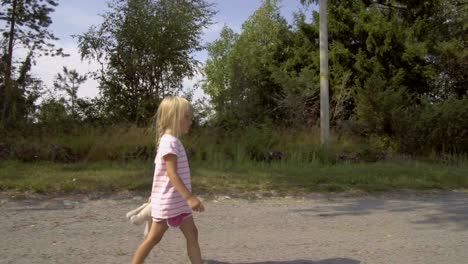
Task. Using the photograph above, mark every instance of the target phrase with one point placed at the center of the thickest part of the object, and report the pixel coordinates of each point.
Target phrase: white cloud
(71, 18)
(214, 28)
(77, 17)
(189, 84)
(213, 31)
(47, 68)
(74, 17)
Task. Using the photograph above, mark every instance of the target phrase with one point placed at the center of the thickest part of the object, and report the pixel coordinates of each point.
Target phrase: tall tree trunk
(73, 97)
(8, 93)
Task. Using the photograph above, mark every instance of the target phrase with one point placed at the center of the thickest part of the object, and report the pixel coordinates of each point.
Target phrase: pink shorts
(174, 221)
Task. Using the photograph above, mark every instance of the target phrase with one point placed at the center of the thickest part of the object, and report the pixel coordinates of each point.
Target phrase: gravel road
(404, 227)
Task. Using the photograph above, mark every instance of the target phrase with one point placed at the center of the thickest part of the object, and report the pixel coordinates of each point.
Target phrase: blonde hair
(171, 111)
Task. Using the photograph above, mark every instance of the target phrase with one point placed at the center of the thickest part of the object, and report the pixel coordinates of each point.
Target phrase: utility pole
(324, 75)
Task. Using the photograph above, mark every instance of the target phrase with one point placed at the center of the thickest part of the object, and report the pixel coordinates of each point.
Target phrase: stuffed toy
(141, 215)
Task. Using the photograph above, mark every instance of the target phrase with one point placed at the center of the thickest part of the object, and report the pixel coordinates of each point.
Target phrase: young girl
(172, 201)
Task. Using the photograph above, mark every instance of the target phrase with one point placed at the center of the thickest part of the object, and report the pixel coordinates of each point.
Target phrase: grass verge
(232, 178)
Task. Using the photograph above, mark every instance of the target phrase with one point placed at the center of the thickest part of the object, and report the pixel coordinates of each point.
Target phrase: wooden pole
(324, 76)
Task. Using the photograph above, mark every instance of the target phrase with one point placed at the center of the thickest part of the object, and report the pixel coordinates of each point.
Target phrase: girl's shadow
(300, 261)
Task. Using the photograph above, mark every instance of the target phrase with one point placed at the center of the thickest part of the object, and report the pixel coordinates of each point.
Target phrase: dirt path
(319, 229)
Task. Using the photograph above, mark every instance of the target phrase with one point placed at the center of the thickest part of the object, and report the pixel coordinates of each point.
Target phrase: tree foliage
(145, 48)
(239, 72)
(25, 27)
(387, 58)
(69, 81)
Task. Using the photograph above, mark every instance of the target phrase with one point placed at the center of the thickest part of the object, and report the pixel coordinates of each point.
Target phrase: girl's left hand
(195, 204)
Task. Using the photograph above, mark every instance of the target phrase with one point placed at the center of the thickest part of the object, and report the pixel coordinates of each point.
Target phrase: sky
(74, 17)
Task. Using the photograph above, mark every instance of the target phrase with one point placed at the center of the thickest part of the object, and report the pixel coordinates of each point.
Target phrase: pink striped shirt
(166, 202)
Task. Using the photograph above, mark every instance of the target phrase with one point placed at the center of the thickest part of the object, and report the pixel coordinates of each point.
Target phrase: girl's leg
(191, 234)
(154, 236)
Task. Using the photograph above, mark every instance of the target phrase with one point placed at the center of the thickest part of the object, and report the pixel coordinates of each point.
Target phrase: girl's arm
(171, 167)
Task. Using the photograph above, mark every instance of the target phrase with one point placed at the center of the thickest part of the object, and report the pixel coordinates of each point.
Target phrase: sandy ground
(430, 227)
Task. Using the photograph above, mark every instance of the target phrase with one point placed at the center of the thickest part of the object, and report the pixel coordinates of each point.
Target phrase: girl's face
(186, 123)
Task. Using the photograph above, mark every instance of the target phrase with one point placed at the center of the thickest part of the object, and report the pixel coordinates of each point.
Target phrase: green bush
(434, 127)
(410, 124)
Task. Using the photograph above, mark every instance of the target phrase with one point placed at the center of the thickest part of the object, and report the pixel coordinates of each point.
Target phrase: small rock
(68, 203)
(224, 198)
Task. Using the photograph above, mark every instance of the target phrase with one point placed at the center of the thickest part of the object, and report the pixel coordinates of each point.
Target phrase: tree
(243, 86)
(395, 62)
(89, 110)
(31, 89)
(69, 83)
(448, 35)
(298, 76)
(262, 47)
(368, 39)
(145, 48)
(217, 69)
(26, 26)
(420, 43)
(54, 116)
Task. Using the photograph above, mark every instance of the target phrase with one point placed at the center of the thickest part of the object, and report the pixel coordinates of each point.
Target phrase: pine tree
(26, 26)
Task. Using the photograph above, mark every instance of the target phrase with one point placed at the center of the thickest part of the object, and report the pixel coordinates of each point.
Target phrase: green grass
(290, 178)
(46, 177)
(233, 178)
